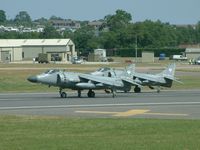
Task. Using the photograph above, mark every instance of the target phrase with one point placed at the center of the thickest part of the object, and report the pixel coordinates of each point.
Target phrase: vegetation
(2, 16)
(116, 32)
(32, 133)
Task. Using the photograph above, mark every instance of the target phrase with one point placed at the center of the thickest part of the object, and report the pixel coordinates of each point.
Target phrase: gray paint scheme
(163, 79)
(81, 81)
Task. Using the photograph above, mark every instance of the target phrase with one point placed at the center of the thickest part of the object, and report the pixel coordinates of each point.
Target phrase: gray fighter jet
(153, 81)
(110, 72)
(81, 81)
(156, 81)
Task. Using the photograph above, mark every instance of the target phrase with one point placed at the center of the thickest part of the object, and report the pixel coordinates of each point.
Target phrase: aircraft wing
(147, 77)
(107, 81)
(128, 80)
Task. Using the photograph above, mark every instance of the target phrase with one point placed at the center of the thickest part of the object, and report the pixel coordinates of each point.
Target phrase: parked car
(76, 60)
(197, 61)
(178, 57)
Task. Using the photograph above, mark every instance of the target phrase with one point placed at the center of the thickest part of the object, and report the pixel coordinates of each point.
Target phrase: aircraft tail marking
(169, 72)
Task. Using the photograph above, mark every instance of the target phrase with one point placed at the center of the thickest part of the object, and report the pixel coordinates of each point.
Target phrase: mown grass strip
(53, 133)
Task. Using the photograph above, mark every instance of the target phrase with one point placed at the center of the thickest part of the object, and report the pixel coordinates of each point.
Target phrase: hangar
(192, 53)
(12, 50)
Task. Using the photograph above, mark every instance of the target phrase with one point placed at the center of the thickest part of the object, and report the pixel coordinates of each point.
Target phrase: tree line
(117, 31)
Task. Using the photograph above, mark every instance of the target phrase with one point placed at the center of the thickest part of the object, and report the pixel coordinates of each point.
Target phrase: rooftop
(192, 50)
(32, 42)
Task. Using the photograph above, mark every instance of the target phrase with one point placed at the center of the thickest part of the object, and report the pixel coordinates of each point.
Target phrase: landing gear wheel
(91, 93)
(137, 89)
(63, 95)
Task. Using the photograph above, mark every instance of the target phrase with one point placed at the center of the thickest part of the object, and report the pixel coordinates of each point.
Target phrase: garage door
(5, 56)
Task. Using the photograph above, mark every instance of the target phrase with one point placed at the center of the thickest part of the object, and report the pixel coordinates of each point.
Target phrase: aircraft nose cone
(32, 79)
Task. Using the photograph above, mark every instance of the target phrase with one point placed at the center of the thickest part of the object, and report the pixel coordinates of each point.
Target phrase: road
(166, 105)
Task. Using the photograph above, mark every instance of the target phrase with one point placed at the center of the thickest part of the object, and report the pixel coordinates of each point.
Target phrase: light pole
(136, 49)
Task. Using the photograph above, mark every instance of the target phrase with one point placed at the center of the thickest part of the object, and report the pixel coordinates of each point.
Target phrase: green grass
(189, 82)
(31, 133)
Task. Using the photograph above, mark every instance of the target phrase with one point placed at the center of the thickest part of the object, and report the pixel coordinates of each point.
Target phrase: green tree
(155, 34)
(55, 18)
(50, 32)
(2, 16)
(198, 32)
(187, 35)
(23, 18)
(41, 21)
(120, 20)
(108, 40)
(82, 37)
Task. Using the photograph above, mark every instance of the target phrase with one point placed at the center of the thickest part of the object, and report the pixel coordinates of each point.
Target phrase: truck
(178, 57)
(42, 58)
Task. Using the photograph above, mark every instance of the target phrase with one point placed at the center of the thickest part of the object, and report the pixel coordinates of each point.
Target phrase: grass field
(31, 133)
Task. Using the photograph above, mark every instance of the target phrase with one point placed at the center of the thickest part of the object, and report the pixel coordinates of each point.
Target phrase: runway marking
(118, 114)
(99, 105)
(132, 112)
(95, 112)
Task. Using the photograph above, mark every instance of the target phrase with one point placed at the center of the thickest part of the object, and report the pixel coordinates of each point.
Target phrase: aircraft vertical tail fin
(169, 72)
(129, 70)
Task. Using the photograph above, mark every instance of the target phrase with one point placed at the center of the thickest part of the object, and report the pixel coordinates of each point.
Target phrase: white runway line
(99, 105)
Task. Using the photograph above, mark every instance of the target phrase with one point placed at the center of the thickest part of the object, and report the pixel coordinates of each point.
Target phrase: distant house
(186, 25)
(66, 24)
(27, 49)
(96, 24)
(189, 46)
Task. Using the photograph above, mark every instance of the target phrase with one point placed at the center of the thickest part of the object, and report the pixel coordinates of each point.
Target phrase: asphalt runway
(166, 105)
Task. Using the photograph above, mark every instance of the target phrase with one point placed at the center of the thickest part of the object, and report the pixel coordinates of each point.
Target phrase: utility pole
(136, 49)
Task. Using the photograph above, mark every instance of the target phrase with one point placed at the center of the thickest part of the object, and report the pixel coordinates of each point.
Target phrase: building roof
(33, 42)
(95, 23)
(192, 50)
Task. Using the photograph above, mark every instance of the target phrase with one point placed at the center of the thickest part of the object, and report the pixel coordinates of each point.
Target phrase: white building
(192, 53)
(101, 53)
(26, 49)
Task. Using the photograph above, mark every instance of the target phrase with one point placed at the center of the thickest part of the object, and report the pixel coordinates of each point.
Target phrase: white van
(178, 57)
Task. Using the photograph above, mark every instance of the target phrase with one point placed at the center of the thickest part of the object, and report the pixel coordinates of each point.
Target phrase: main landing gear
(158, 89)
(91, 93)
(113, 93)
(137, 89)
(79, 93)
